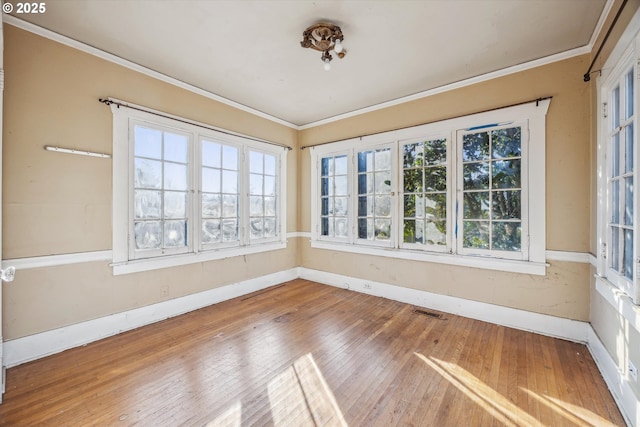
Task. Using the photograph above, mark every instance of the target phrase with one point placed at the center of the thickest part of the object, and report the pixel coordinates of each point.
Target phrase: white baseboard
(544, 324)
(616, 381)
(43, 344)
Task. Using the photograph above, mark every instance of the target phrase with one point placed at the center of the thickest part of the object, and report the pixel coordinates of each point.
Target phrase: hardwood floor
(309, 354)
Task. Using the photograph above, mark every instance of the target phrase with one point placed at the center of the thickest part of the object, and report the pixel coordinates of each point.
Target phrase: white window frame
(532, 258)
(615, 70)
(124, 261)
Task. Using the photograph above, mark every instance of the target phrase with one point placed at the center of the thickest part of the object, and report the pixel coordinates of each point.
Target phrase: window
(456, 191)
(184, 194)
(617, 164)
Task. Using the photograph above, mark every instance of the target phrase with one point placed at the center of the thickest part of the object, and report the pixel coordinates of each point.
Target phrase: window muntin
(374, 175)
(161, 184)
(334, 196)
(425, 194)
(262, 196)
(620, 182)
(219, 193)
(491, 194)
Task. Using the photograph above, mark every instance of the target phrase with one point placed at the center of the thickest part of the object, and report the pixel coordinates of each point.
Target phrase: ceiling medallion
(324, 38)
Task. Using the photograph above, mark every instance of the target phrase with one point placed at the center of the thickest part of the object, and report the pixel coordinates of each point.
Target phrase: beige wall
(57, 203)
(564, 291)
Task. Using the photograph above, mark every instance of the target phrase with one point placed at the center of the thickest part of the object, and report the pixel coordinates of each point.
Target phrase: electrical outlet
(367, 286)
(633, 371)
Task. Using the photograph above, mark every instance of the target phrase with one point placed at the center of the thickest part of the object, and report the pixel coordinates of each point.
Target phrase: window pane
(383, 159)
(413, 155)
(435, 178)
(269, 206)
(615, 155)
(629, 94)
(175, 234)
(255, 184)
(211, 180)
(256, 206)
(615, 113)
(629, 148)
(148, 234)
(256, 162)
(229, 182)
(506, 174)
(365, 161)
(211, 154)
(476, 205)
(211, 232)
(148, 143)
(507, 236)
(324, 165)
(270, 227)
(435, 152)
(628, 254)
(229, 230)
(435, 232)
(382, 206)
(506, 143)
(628, 204)
(476, 234)
(211, 206)
(341, 188)
(229, 157)
(412, 180)
(383, 229)
(340, 206)
(324, 210)
(475, 146)
(270, 165)
(410, 206)
(410, 232)
(476, 175)
(615, 202)
(175, 147)
(382, 182)
(324, 221)
(341, 227)
(256, 228)
(506, 204)
(147, 204)
(324, 186)
(229, 206)
(175, 176)
(269, 185)
(615, 248)
(341, 165)
(175, 204)
(435, 206)
(147, 173)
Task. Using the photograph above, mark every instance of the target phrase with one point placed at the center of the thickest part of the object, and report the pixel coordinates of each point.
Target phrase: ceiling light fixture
(324, 38)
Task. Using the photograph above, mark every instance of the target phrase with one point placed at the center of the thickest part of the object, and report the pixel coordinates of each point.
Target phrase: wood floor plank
(303, 353)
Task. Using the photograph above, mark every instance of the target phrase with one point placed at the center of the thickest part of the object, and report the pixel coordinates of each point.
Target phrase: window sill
(619, 301)
(136, 266)
(513, 266)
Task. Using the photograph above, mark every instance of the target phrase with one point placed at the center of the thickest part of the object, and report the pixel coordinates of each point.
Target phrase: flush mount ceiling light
(324, 38)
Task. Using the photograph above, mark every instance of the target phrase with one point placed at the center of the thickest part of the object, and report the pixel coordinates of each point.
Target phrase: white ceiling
(249, 51)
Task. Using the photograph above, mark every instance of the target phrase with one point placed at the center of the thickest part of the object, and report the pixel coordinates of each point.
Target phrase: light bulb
(338, 46)
(327, 65)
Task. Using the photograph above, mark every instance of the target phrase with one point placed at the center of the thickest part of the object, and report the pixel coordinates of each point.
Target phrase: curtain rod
(587, 75)
(537, 101)
(109, 102)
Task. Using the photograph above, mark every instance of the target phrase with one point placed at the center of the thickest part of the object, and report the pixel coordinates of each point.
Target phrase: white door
(7, 273)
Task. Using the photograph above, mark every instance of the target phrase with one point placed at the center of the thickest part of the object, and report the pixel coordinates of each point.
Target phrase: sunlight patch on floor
(579, 416)
(499, 407)
(232, 417)
(300, 396)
